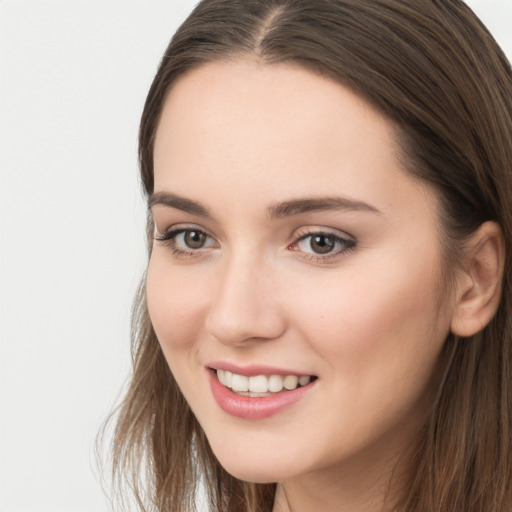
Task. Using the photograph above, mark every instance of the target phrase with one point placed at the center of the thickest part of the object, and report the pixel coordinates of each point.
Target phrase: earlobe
(479, 284)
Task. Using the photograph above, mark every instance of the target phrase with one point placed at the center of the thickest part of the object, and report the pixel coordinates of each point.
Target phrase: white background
(73, 79)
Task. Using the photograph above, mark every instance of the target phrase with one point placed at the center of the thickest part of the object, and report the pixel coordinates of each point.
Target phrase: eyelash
(168, 238)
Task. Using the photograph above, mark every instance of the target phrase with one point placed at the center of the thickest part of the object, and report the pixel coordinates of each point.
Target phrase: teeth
(290, 381)
(258, 395)
(240, 382)
(260, 385)
(275, 383)
(304, 380)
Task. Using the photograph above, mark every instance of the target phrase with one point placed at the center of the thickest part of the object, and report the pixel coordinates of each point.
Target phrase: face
(292, 252)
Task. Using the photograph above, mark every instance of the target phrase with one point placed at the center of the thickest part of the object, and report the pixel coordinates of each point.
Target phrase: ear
(479, 284)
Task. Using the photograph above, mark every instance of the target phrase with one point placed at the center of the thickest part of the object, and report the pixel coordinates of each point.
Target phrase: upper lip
(255, 369)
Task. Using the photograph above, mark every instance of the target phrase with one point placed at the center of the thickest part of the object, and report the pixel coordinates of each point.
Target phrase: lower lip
(254, 408)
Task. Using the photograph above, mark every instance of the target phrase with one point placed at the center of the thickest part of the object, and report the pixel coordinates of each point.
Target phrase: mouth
(259, 392)
(260, 386)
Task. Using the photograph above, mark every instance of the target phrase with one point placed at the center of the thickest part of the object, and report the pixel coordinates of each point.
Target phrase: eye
(186, 241)
(192, 239)
(322, 245)
(319, 244)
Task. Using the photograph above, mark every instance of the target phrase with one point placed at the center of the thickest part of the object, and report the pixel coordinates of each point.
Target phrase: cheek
(175, 304)
(176, 309)
(379, 340)
(367, 321)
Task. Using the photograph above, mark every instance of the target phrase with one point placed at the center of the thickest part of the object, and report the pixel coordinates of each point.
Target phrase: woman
(324, 324)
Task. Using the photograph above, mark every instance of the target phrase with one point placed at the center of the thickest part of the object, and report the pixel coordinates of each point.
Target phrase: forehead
(273, 130)
(274, 104)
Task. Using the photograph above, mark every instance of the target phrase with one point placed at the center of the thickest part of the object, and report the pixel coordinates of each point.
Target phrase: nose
(245, 308)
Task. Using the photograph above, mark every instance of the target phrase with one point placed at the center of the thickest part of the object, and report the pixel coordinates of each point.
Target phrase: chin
(252, 473)
(258, 466)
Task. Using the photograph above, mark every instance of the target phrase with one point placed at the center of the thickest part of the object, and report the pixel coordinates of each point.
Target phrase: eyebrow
(276, 211)
(178, 202)
(313, 204)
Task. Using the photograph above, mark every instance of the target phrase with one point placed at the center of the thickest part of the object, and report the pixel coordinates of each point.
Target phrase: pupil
(194, 239)
(322, 244)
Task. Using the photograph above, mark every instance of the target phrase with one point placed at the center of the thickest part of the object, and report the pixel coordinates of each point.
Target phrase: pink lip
(254, 408)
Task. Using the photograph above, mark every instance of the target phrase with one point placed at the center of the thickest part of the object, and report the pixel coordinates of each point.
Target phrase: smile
(261, 385)
(260, 395)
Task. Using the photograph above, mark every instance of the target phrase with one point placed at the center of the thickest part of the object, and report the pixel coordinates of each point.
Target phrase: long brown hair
(437, 73)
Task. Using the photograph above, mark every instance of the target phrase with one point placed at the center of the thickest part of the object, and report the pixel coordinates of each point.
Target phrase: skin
(369, 320)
